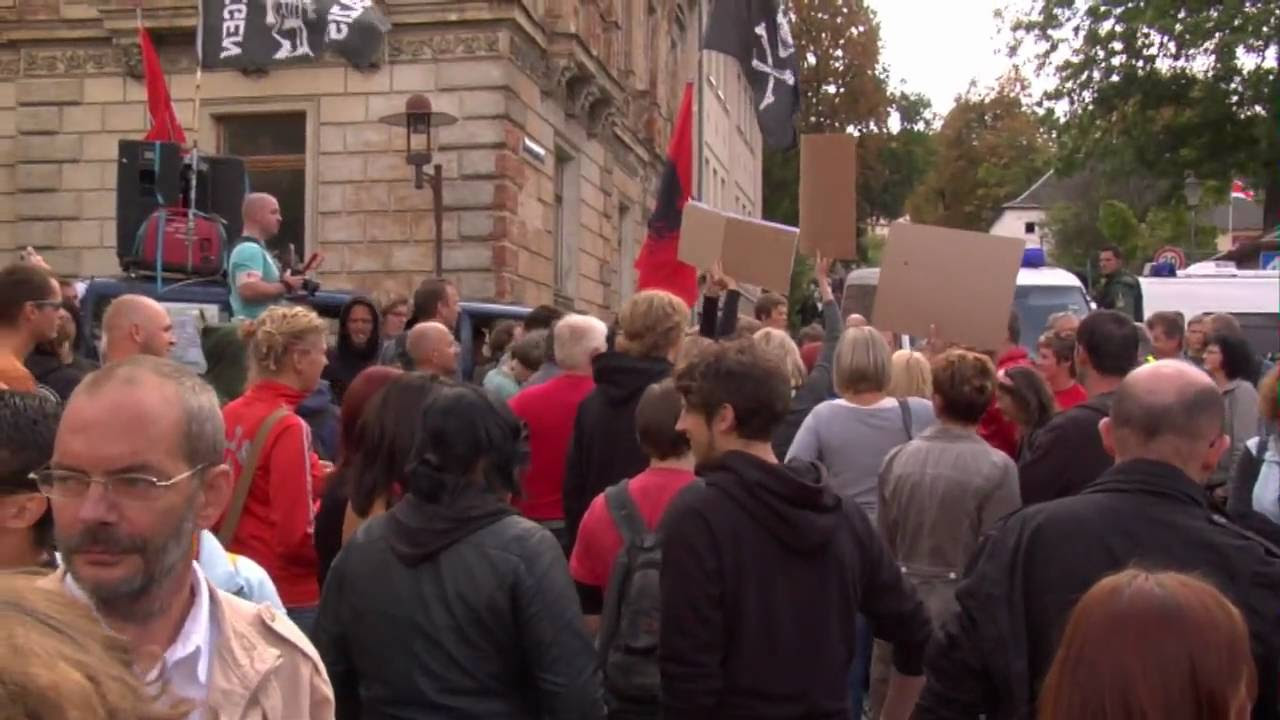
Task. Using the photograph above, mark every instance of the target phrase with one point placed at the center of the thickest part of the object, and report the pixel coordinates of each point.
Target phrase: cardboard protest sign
(829, 195)
(750, 251)
(961, 281)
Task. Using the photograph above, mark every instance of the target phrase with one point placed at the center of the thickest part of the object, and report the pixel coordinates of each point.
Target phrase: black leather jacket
(488, 628)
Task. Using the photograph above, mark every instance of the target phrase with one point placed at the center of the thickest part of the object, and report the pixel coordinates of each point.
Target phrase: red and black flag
(757, 34)
(658, 266)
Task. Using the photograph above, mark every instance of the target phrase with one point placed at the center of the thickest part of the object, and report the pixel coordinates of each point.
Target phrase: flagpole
(702, 142)
(138, 10)
(195, 91)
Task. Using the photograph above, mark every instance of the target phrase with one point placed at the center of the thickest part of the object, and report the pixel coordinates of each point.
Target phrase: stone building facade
(594, 83)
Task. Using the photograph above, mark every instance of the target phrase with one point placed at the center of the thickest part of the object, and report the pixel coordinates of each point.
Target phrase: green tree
(894, 163)
(843, 86)
(1113, 222)
(990, 149)
(1120, 227)
(1167, 87)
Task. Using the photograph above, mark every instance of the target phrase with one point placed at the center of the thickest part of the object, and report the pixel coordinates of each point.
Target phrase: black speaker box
(155, 174)
(148, 175)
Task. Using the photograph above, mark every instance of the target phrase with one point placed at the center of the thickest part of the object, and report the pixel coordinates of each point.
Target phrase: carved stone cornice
(120, 16)
(438, 45)
(581, 83)
(122, 57)
(37, 62)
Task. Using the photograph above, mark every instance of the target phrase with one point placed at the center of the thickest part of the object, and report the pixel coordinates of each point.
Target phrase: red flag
(1240, 190)
(164, 121)
(658, 266)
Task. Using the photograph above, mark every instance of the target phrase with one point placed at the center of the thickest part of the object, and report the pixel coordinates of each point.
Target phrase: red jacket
(277, 525)
(549, 410)
(1001, 432)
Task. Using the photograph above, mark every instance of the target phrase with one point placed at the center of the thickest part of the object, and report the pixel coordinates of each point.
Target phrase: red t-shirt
(1071, 397)
(548, 410)
(598, 538)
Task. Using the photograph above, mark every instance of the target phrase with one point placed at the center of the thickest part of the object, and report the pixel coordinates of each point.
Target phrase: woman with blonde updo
(270, 518)
(782, 349)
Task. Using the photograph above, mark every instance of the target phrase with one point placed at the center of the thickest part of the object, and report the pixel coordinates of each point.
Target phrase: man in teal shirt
(255, 279)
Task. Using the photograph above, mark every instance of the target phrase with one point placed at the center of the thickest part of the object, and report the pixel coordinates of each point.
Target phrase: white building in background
(1025, 217)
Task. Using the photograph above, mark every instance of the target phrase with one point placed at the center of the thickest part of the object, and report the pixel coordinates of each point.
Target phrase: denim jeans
(861, 667)
(304, 617)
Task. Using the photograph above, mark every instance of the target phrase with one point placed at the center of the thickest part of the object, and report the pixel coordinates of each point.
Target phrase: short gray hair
(861, 362)
(577, 339)
(204, 438)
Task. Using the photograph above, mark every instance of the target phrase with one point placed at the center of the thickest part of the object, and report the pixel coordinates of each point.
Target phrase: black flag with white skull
(757, 34)
(260, 34)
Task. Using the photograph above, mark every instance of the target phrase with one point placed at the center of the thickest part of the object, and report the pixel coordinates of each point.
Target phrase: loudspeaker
(220, 192)
(148, 175)
(156, 174)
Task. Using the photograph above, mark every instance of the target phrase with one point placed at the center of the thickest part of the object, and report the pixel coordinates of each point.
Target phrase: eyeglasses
(47, 304)
(127, 487)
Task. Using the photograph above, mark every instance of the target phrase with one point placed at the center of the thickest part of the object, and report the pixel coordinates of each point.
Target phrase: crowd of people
(647, 518)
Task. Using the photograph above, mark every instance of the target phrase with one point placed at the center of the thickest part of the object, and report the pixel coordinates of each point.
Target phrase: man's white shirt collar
(185, 663)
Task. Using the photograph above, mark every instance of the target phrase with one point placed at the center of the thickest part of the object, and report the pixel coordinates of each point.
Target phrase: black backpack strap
(625, 514)
(906, 418)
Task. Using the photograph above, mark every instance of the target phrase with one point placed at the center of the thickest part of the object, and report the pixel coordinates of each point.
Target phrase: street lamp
(1192, 188)
(419, 118)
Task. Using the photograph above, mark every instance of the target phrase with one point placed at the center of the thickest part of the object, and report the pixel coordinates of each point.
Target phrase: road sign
(1171, 255)
(1269, 260)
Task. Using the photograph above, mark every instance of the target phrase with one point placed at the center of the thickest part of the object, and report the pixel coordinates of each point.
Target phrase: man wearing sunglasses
(137, 470)
(29, 302)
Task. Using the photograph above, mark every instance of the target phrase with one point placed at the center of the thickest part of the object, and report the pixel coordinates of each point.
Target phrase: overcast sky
(937, 46)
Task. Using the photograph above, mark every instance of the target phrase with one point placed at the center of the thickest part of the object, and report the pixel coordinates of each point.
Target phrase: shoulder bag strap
(232, 518)
(906, 418)
(625, 513)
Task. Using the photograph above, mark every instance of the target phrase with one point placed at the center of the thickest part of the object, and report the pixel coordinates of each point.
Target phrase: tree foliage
(1080, 231)
(990, 149)
(1164, 86)
(896, 162)
(843, 86)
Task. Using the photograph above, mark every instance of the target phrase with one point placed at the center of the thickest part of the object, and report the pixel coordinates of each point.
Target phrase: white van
(1252, 296)
(1039, 293)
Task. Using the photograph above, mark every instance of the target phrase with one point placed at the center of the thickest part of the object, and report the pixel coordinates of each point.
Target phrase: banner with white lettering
(259, 34)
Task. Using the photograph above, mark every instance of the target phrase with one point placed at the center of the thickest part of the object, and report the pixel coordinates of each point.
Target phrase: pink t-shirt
(598, 538)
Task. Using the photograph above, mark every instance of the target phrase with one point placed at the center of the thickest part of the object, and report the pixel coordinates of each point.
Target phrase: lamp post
(1192, 189)
(419, 118)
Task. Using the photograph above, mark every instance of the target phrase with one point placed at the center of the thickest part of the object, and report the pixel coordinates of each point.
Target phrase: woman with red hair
(333, 507)
(1146, 645)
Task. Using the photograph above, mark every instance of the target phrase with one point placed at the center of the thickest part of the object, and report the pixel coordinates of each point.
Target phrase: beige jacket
(262, 666)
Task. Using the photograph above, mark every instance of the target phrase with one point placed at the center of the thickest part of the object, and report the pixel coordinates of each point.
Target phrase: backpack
(628, 643)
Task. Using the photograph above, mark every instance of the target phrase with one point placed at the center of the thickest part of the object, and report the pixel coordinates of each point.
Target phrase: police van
(1040, 292)
(1216, 286)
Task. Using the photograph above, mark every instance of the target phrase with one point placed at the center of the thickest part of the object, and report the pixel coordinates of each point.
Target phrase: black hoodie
(49, 371)
(347, 359)
(604, 449)
(764, 572)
